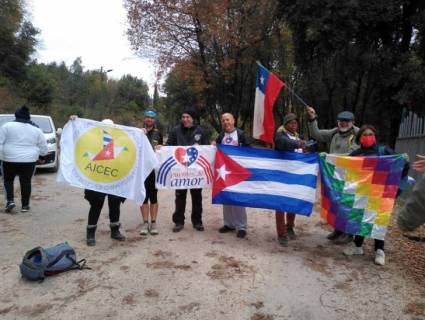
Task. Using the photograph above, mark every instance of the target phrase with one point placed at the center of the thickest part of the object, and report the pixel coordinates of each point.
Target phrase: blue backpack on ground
(41, 262)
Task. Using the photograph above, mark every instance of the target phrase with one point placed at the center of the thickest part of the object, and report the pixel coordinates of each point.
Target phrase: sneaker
(25, 208)
(291, 234)
(241, 234)
(178, 227)
(353, 251)
(225, 229)
(199, 227)
(153, 230)
(380, 257)
(145, 229)
(283, 240)
(344, 239)
(333, 235)
(9, 206)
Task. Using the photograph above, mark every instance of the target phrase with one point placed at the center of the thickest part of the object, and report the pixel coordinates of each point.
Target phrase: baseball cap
(150, 113)
(345, 115)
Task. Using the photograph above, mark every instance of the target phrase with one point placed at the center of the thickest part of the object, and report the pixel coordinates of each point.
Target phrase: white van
(45, 123)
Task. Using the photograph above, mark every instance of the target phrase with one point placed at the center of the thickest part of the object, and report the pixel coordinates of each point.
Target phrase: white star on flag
(184, 158)
(222, 172)
(262, 80)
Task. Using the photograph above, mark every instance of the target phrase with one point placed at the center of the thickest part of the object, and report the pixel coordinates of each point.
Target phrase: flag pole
(289, 88)
(296, 96)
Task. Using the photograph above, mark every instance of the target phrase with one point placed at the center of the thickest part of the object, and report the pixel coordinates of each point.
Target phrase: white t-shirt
(230, 138)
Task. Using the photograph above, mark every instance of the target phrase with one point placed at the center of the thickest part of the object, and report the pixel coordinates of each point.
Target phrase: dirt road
(199, 275)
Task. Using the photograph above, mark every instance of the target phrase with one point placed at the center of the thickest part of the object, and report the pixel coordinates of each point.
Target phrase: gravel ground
(201, 275)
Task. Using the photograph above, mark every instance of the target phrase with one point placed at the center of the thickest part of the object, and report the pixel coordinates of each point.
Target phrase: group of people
(22, 143)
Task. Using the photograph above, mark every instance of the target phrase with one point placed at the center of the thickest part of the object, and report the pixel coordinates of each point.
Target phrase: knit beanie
(22, 113)
(289, 117)
(192, 112)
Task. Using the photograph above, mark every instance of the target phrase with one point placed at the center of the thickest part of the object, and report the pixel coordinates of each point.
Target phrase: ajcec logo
(185, 168)
(104, 154)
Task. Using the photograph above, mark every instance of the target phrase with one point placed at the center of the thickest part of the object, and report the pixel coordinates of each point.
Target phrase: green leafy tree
(75, 85)
(133, 92)
(17, 39)
(39, 87)
(359, 56)
(181, 92)
(156, 102)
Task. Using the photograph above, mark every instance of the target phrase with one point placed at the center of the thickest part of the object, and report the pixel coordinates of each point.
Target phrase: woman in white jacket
(21, 143)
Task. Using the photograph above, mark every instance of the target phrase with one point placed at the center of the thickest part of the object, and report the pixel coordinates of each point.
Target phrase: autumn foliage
(215, 44)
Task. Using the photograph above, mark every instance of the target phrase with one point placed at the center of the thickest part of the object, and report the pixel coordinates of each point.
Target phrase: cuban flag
(263, 178)
(267, 90)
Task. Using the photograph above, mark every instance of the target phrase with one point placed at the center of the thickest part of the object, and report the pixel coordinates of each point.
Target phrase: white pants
(234, 217)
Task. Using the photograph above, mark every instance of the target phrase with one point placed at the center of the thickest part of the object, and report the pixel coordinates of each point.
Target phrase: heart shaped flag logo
(186, 156)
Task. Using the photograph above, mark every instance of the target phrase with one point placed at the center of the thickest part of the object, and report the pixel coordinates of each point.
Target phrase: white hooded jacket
(21, 142)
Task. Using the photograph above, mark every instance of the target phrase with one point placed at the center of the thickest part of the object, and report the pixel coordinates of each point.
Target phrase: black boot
(91, 240)
(115, 231)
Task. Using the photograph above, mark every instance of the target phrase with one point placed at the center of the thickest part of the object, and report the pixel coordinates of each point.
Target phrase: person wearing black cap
(150, 205)
(21, 144)
(287, 139)
(342, 141)
(187, 133)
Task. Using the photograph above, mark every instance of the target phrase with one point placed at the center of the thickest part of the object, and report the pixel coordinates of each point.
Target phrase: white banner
(185, 167)
(112, 159)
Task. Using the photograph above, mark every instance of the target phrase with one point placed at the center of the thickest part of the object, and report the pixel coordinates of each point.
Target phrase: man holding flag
(342, 141)
(188, 133)
(234, 217)
(287, 139)
(150, 204)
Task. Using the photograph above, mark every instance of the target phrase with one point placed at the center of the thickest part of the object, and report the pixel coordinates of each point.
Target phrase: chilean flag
(267, 90)
(263, 178)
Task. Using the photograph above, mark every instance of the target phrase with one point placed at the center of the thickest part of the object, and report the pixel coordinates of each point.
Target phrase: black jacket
(243, 139)
(283, 142)
(182, 136)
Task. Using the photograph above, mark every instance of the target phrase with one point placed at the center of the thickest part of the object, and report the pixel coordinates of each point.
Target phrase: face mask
(367, 141)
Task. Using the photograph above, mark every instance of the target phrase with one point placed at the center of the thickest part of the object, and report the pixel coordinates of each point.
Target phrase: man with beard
(342, 141)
